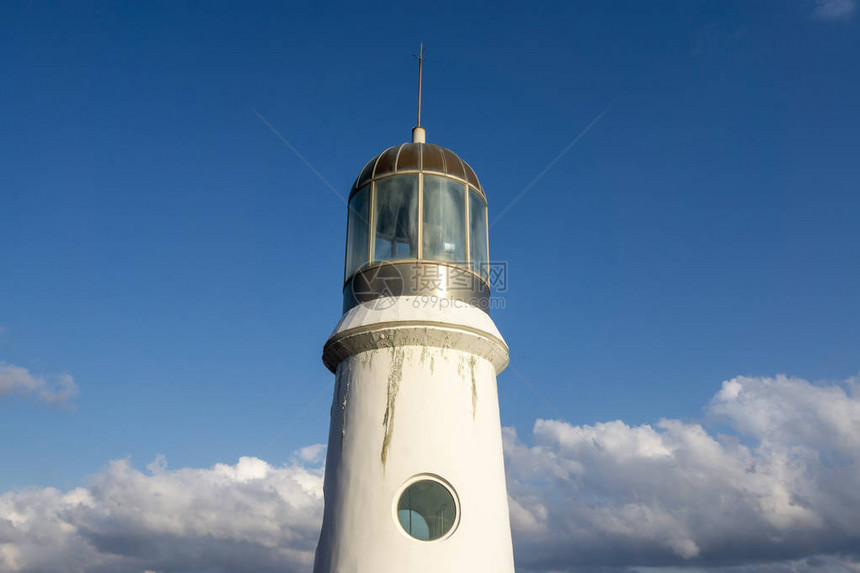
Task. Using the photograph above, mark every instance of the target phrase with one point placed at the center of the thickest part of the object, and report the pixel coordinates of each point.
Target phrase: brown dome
(413, 157)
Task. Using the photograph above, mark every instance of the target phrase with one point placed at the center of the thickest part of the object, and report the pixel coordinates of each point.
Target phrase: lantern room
(417, 225)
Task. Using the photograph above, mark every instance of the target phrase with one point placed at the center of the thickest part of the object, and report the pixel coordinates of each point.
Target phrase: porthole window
(427, 509)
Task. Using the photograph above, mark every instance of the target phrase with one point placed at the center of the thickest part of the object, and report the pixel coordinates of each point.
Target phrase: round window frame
(441, 481)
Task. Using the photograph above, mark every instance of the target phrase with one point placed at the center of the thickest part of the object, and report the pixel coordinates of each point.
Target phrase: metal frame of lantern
(374, 278)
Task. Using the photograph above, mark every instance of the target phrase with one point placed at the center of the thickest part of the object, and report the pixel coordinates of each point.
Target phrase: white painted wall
(415, 394)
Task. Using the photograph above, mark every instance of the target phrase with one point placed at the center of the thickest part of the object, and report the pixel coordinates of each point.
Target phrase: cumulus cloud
(831, 10)
(775, 492)
(780, 486)
(57, 389)
(250, 516)
(312, 454)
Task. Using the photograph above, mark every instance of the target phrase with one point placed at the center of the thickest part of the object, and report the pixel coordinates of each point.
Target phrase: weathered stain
(344, 400)
(395, 373)
(337, 384)
(389, 339)
(367, 359)
(472, 362)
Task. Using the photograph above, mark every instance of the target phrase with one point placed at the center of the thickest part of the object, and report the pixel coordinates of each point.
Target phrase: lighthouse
(415, 478)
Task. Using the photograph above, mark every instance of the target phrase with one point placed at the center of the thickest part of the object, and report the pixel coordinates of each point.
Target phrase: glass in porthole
(426, 510)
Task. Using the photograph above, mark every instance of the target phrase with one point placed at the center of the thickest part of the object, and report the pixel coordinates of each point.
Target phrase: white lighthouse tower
(414, 478)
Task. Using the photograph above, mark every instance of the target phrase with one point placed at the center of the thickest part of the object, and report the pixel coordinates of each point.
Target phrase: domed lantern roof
(412, 157)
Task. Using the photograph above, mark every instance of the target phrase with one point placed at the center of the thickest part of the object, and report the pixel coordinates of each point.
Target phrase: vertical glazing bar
(409, 506)
(420, 216)
(346, 251)
(487, 244)
(468, 260)
(371, 224)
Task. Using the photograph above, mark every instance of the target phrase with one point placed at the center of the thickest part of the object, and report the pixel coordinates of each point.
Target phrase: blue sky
(161, 246)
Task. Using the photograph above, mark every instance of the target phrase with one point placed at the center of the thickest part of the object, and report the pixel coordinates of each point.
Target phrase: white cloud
(831, 10)
(250, 516)
(158, 465)
(813, 564)
(776, 494)
(312, 454)
(57, 389)
(783, 487)
(783, 412)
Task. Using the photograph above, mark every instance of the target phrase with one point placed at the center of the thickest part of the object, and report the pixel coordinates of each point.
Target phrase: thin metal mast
(420, 57)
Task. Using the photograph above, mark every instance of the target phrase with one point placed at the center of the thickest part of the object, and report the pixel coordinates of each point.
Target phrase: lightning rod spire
(418, 133)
